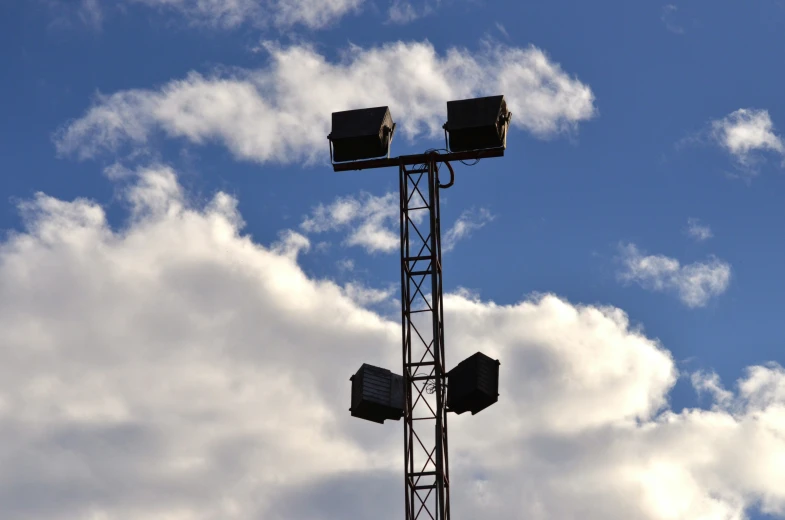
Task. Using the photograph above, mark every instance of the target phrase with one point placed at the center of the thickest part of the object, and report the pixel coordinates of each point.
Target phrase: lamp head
(365, 133)
(477, 124)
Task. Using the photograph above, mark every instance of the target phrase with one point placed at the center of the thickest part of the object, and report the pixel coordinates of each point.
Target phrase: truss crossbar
(425, 443)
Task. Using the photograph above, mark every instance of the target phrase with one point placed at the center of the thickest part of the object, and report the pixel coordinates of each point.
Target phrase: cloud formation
(281, 113)
(694, 283)
(469, 221)
(668, 13)
(64, 13)
(402, 11)
(698, 231)
(745, 132)
(370, 220)
(227, 14)
(365, 296)
(281, 13)
(174, 368)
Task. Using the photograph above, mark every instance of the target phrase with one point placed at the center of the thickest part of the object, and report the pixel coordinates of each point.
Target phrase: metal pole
(429, 470)
(436, 271)
(406, 339)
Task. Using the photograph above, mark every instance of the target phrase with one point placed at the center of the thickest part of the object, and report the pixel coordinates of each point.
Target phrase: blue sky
(633, 124)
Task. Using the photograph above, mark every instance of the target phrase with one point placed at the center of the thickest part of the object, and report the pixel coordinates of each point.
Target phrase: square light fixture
(473, 384)
(365, 133)
(477, 124)
(377, 394)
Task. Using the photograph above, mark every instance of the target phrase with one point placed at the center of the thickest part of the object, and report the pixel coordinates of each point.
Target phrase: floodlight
(477, 124)
(473, 384)
(361, 134)
(377, 394)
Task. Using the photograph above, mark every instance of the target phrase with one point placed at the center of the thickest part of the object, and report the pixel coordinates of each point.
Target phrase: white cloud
(347, 264)
(709, 382)
(402, 11)
(65, 12)
(364, 296)
(282, 112)
(746, 131)
(229, 14)
(372, 222)
(370, 219)
(176, 369)
(91, 13)
(470, 220)
(223, 13)
(698, 231)
(668, 13)
(313, 13)
(148, 372)
(695, 283)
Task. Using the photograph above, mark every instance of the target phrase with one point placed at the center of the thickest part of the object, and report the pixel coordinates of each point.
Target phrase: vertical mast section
(427, 483)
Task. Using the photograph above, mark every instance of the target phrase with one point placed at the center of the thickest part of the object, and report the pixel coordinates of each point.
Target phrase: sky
(186, 285)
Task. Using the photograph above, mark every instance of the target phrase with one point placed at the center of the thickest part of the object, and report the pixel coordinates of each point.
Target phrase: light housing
(364, 133)
(377, 394)
(477, 124)
(473, 384)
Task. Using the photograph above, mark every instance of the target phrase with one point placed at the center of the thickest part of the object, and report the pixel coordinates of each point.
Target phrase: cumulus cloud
(470, 220)
(282, 112)
(695, 283)
(745, 132)
(697, 230)
(147, 370)
(174, 368)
